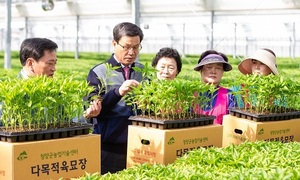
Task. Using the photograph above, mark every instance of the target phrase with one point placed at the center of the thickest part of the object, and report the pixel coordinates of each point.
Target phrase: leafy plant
(268, 94)
(39, 102)
(250, 160)
(168, 100)
(105, 81)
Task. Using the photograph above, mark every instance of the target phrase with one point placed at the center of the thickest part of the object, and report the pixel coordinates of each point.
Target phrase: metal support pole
(183, 40)
(136, 11)
(135, 4)
(77, 38)
(98, 43)
(235, 39)
(63, 38)
(212, 20)
(294, 42)
(26, 27)
(7, 53)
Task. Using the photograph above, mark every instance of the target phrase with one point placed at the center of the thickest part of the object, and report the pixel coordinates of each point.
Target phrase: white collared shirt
(122, 65)
(24, 75)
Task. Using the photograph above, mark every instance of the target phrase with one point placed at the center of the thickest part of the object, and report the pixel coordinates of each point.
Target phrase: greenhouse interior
(258, 139)
(231, 26)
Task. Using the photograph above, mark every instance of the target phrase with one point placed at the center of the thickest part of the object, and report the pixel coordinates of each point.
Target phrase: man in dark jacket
(112, 122)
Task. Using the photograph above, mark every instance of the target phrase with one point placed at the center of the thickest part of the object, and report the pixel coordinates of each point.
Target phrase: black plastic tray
(264, 117)
(37, 135)
(171, 124)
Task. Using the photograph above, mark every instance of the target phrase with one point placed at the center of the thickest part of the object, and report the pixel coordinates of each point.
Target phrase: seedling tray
(171, 124)
(36, 135)
(241, 113)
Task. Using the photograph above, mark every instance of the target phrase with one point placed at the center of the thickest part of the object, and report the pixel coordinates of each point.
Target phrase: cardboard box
(50, 159)
(238, 130)
(165, 146)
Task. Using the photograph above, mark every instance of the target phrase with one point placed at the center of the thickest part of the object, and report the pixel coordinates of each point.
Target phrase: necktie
(126, 71)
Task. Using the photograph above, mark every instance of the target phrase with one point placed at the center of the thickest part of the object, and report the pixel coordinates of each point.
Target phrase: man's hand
(93, 110)
(127, 86)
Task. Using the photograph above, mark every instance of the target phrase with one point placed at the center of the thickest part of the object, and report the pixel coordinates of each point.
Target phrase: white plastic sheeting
(235, 27)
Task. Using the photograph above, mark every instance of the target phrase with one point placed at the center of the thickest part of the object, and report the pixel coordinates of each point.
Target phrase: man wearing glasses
(112, 122)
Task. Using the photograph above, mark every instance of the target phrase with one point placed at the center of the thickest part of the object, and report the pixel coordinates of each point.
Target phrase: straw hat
(213, 58)
(261, 55)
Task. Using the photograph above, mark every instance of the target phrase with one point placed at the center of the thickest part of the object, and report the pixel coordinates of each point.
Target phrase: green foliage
(168, 99)
(41, 101)
(257, 160)
(165, 99)
(105, 81)
(271, 94)
(250, 160)
(148, 72)
(79, 68)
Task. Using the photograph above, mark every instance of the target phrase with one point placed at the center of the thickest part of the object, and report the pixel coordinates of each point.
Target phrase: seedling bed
(171, 124)
(36, 135)
(242, 113)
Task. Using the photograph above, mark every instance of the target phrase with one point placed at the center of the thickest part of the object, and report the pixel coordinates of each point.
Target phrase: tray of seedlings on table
(267, 98)
(169, 104)
(42, 108)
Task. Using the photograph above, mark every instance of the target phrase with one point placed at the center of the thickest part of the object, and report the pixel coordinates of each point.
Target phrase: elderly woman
(168, 63)
(262, 62)
(212, 65)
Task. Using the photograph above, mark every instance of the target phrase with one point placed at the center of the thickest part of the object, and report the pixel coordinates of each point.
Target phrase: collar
(122, 65)
(23, 74)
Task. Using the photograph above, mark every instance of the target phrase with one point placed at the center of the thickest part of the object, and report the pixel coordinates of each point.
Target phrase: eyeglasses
(127, 48)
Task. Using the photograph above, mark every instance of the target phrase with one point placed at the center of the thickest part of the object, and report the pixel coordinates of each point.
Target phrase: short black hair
(34, 48)
(127, 29)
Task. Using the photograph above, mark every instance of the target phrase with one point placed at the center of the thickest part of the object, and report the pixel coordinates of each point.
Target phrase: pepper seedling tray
(171, 124)
(36, 135)
(241, 113)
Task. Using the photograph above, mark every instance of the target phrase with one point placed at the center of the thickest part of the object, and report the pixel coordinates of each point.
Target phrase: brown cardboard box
(164, 146)
(50, 159)
(238, 130)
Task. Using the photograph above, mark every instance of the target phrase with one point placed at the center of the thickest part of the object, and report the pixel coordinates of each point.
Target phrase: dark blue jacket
(112, 122)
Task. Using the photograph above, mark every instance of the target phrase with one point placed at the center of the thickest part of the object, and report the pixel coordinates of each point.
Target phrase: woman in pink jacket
(212, 65)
